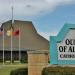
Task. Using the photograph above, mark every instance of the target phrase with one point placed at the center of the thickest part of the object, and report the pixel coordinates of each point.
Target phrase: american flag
(1, 31)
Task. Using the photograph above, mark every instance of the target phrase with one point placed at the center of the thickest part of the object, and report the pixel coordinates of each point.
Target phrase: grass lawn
(6, 69)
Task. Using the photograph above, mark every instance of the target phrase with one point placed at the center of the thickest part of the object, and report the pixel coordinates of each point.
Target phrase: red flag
(16, 33)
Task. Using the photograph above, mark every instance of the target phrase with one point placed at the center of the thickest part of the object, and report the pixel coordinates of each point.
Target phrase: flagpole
(11, 34)
(19, 46)
(3, 45)
(12, 15)
(11, 46)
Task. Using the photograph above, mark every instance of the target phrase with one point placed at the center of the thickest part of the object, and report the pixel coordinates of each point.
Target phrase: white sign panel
(66, 48)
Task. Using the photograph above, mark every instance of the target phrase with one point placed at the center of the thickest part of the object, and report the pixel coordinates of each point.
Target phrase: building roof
(29, 38)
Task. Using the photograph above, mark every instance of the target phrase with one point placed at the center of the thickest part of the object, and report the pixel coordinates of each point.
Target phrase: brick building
(27, 43)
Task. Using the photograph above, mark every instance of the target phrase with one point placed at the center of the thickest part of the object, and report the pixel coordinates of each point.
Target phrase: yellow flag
(9, 32)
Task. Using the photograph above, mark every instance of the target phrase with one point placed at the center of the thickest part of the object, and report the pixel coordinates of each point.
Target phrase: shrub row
(59, 71)
(21, 71)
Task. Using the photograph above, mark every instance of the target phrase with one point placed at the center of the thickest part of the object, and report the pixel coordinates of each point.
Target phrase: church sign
(62, 46)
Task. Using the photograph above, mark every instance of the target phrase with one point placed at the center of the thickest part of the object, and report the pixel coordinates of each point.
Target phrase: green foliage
(21, 71)
(59, 71)
(1, 60)
(24, 61)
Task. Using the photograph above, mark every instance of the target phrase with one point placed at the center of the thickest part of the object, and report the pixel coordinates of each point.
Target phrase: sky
(48, 16)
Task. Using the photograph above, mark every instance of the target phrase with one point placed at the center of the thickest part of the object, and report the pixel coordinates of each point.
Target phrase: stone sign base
(37, 60)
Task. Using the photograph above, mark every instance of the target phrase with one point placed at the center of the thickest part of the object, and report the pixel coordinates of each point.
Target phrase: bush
(24, 61)
(21, 71)
(59, 71)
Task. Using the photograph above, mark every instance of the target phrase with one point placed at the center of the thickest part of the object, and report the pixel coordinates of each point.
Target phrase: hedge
(59, 71)
(21, 71)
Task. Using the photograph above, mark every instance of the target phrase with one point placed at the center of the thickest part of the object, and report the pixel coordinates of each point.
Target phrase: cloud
(24, 8)
(47, 34)
(60, 2)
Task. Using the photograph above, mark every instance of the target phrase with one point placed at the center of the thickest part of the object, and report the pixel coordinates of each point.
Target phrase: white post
(11, 45)
(11, 34)
(3, 45)
(12, 15)
(19, 45)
